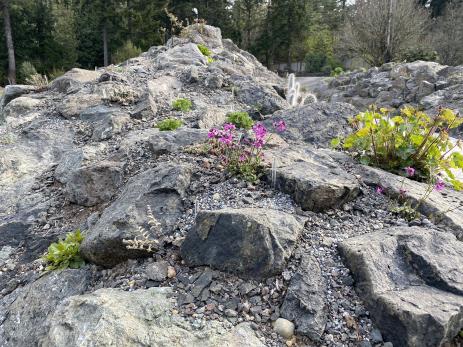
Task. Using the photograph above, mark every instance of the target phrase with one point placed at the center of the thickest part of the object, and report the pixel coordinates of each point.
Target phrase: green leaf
(335, 142)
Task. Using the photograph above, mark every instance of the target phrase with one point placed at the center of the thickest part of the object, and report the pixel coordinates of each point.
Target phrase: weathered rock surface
(253, 243)
(314, 180)
(161, 188)
(25, 313)
(411, 281)
(317, 123)
(425, 84)
(444, 207)
(110, 317)
(73, 79)
(304, 303)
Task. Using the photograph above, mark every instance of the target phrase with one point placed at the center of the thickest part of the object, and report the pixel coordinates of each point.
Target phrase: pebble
(284, 328)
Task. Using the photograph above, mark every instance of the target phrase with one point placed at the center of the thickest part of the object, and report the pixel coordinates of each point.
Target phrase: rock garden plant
(241, 120)
(169, 124)
(206, 52)
(181, 104)
(407, 139)
(65, 253)
(241, 152)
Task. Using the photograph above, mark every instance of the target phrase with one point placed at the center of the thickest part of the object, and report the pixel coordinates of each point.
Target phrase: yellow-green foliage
(409, 138)
(206, 52)
(241, 120)
(169, 124)
(127, 51)
(183, 105)
(65, 253)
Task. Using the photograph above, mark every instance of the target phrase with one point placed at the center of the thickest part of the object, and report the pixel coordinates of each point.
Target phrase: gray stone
(284, 328)
(25, 313)
(317, 123)
(254, 243)
(111, 317)
(73, 105)
(93, 184)
(172, 141)
(106, 122)
(157, 271)
(73, 79)
(14, 91)
(304, 303)
(313, 179)
(411, 281)
(19, 108)
(162, 188)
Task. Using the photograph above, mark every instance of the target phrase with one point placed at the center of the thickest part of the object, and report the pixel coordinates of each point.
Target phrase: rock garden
(191, 197)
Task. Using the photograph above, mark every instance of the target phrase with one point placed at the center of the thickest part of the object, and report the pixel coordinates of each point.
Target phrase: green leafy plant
(65, 253)
(409, 138)
(169, 124)
(206, 52)
(338, 71)
(183, 105)
(241, 120)
(126, 52)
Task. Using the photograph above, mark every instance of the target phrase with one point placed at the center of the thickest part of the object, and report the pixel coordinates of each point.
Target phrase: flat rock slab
(317, 123)
(411, 280)
(25, 313)
(444, 207)
(252, 242)
(112, 317)
(162, 188)
(313, 179)
(304, 303)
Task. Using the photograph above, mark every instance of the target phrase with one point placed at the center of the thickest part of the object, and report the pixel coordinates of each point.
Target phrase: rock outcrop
(250, 242)
(109, 317)
(411, 281)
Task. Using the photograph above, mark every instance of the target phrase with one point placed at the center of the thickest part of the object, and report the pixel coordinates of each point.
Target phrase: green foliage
(55, 73)
(241, 120)
(406, 211)
(169, 124)
(337, 72)
(409, 138)
(419, 53)
(127, 51)
(181, 104)
(65, 253)
(27, 70)
(204, 50)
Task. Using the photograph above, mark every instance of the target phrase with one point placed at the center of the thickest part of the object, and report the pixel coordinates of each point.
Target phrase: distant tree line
(51, 36)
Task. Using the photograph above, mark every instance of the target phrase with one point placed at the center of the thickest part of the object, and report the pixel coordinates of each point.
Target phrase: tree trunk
(388, 53)
(105, 45)
(9, 42)
(129, 20)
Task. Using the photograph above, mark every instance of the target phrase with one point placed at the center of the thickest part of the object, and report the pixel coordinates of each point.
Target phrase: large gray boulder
(254, 243)
(162, 189)
(112, 317)
(25, 313)
(317, 123)
(73, 79)
(304, 303)
(411, 281)
(105, 121)
(313, 179)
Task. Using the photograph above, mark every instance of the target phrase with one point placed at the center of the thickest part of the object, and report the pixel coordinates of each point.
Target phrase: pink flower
(402, 192)
(259, 130)
(410, 171)
(379, 190)
(280, 125)
(213, 133)
(439, 186)
(226, 139)
(243, 157)
(229, 127)
(259, 143)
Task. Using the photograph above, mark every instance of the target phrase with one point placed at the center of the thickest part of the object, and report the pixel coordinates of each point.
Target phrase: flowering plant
(242, 152)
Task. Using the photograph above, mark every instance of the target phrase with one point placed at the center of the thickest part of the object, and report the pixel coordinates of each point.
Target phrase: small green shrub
(418, 53)
(241, 120)
(337, 72)
(204, 50)
(183, 105)
(409, 138)
(65, 253)
(169, 124)
(27, 70)
(126, 52)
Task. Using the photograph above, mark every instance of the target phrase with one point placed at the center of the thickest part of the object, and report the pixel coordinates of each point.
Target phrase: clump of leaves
(409, 138)
(181, 104)
(65, 253)
(169, 124)
(206, 52)
(338, 71)
(241, 120)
